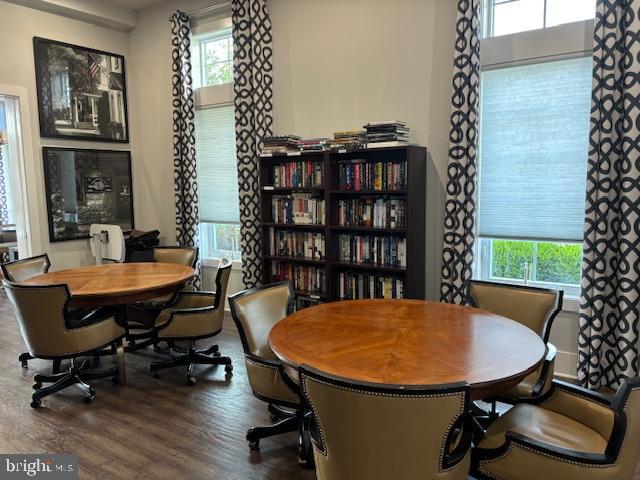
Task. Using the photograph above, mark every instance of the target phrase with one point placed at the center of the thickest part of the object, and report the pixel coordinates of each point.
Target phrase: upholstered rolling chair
(569, 433)
(255, 311)
(145, 312)
(19, 271)
(533, 307)
(191, 316)
(378, 432)
(51, 333)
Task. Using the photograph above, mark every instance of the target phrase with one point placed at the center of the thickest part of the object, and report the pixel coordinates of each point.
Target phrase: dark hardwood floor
(148, 429)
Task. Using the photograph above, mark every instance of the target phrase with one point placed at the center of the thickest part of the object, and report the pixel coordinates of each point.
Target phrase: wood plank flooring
(148, 429)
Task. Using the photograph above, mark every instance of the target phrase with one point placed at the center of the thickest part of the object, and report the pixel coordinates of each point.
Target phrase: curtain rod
(210, 8)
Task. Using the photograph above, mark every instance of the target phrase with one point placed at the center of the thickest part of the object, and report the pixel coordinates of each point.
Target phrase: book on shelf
(360, 175)
(299, 174)
(305, 245)
(355, 285)
(308, 279)
(389, 251)
(385, 212)
(298, 208)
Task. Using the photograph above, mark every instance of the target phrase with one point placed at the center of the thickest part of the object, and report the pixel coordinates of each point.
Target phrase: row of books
(286, 243)
(298, 174)
(307, 279)
(368, 285)
(379, 250)
(382, 212)
(297, 208)
(387, 134)
(360, 175)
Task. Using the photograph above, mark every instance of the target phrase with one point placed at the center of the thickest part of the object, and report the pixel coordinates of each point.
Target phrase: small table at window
(409, 342)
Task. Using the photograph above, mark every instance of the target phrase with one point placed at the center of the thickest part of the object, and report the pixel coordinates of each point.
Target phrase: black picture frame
(113, 205)
(82, 92)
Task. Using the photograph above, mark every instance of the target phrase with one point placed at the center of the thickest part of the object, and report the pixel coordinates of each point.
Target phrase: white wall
(18, 26)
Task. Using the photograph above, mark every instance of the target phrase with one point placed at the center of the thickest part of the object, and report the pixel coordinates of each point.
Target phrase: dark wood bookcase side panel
(414, 230)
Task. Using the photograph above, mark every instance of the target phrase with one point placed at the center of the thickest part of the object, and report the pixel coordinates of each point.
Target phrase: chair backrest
(625, 437)
(20, 270)
(222, 280)
(180, 255)
(40, 313)
(255, 311)
(375, 431)
(533, 307)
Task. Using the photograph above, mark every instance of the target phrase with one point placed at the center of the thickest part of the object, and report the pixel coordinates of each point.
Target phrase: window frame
(556, 43)
(212, 96)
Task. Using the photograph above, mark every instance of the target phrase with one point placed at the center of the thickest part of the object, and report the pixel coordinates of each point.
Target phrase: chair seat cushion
(545, 426)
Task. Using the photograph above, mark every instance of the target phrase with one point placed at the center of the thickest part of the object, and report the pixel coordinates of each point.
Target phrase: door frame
(29, 240)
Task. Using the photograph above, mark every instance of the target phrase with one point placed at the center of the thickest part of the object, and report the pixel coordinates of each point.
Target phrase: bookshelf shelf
(370, 266)
(307, 261)
(371, 230)
(407, 162)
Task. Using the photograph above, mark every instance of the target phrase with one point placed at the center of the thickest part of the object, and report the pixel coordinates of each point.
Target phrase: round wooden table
(409, 342)
(118, 283)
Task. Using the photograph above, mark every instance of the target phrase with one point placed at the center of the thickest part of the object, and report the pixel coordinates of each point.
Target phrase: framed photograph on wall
(82, 92)
(84, 187)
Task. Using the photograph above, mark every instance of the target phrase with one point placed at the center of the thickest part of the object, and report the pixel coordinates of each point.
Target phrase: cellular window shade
(533, 150)
(216, 164)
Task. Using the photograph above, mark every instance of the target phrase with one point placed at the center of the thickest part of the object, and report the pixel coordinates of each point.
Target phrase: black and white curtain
(253, 108)
(609, 317)
(184, 144)
(460, 205)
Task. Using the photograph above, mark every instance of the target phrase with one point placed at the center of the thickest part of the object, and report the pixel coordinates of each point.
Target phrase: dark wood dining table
(409, 342)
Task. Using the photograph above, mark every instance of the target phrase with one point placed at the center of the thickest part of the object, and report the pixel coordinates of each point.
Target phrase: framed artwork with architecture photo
(85, 187)
(82, 92)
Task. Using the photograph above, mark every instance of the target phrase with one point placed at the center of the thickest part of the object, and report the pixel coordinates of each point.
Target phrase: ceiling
(132, 4)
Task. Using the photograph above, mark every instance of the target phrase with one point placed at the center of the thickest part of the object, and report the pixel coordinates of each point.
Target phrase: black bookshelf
(413, 230)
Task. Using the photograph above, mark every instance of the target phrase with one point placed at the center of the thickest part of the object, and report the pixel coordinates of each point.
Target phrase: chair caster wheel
(254, 444)
(156, 375)
(216, 354)
(115, 380)
(24, 364)
(37, 386)
(191, 381)
(36, 404)
(87, 399)
(228, 368)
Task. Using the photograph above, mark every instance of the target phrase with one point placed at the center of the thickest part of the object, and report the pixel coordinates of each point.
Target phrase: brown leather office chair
(191, 316)
(570, 433)
(533, 307)
(19, 271)
(255, 311)
(373, 431)
(50, 332)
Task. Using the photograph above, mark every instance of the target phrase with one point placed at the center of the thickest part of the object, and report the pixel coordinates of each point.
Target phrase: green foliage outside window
(548, 262)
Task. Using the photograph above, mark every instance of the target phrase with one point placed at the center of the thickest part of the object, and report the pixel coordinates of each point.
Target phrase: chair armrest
(264, 361)
(186, 299)
(577, 390)
(555, 451)
(546, 371)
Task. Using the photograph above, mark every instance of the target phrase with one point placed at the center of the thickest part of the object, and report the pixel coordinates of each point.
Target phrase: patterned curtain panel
(252, 87)
(4, 205)
(184, 145)
(460, 206)
(609, 322)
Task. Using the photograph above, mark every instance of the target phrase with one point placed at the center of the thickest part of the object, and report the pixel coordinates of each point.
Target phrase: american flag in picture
(94, 68)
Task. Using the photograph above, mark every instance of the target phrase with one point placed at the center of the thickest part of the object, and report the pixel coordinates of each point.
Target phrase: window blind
(533, 150)
(216, 164)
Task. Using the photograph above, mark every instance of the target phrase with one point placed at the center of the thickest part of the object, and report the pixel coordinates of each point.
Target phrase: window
(505, 17)
(216, 145)
(213, 58)
(534, 136)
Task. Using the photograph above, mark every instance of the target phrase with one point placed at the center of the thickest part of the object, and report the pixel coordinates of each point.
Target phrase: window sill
(214, 262)
(571, 305)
